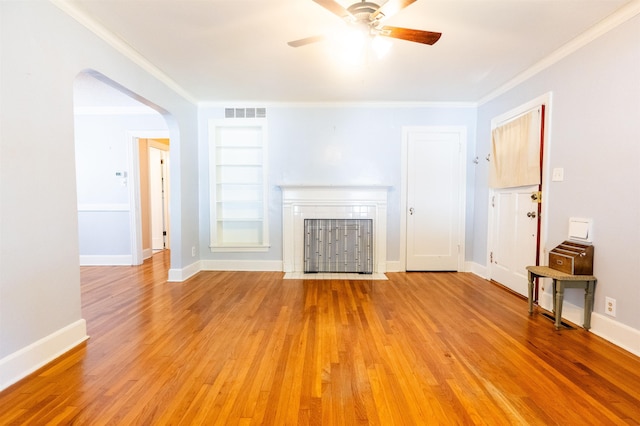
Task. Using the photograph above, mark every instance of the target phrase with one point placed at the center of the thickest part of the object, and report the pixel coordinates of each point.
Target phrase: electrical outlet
(610, 306)
(193, 251)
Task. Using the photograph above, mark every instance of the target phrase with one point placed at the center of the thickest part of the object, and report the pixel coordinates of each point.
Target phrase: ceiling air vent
(245, 113)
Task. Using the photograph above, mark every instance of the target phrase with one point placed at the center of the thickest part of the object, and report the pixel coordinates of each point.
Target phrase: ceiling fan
(368, 17)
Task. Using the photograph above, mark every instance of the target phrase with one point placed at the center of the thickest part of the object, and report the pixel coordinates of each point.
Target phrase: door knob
(531, 214)
(411, 211)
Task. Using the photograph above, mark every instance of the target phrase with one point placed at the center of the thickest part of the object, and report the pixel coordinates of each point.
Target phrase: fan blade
(390, 8)
(305, 41)
(418, 36)
(335, 8)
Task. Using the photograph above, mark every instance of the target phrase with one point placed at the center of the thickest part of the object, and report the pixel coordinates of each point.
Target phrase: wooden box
(572, 258)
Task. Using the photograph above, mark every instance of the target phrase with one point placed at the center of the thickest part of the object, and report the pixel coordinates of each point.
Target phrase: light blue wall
(43, 50)
(336, 145)
(595, 137)
(101, 150)
(595, 130)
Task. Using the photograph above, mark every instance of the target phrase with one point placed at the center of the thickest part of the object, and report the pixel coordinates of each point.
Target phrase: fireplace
(300, 202)
(338, 245)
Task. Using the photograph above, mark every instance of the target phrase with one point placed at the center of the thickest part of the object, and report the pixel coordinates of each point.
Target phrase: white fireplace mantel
(301, 202)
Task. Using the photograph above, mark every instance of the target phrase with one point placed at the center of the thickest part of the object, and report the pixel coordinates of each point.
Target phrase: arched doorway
(112, 133)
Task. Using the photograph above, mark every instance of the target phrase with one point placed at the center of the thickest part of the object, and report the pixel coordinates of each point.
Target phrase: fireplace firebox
(338, 245)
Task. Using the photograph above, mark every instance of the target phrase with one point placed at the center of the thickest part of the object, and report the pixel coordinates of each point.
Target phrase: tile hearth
(333, 276)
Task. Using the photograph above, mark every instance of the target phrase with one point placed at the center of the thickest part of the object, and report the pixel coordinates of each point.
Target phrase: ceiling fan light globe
(354, 41)
(380, 46)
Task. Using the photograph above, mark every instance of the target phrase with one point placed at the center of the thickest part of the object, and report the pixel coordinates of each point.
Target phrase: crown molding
(115, 110)
(363, 104)
(121, 46)
(619, 17)
(614, 20)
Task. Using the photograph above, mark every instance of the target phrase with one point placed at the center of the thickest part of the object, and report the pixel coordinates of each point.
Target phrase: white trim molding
(25, 361)
(180, 275)
(106, 260)
(121, 46)
(394, 266)
(477, 269)
(614, 20)
(135, 216)
(115, 110)
(619, 334)
(241, 265)
(336, 104)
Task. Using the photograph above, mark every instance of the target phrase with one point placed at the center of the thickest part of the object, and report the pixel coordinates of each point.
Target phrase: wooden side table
(561, 281)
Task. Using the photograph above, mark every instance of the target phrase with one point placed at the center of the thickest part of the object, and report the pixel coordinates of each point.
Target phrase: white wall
(43, 50)
(336, 144)
(595, 135)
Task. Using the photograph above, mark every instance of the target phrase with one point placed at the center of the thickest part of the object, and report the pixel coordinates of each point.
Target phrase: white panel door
(515, 236)
(433, 201)
(158, 198)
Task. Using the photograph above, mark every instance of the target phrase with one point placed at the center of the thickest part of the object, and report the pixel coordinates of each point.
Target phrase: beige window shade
(515, 152)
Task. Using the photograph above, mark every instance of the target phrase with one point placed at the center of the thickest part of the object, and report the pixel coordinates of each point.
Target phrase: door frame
(135, 213)
(545, 100)
(404, 169)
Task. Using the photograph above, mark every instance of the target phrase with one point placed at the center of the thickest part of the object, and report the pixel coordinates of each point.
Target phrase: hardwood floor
(241, 348)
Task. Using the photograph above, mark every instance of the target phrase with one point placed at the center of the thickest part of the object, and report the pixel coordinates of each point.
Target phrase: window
(238, 153)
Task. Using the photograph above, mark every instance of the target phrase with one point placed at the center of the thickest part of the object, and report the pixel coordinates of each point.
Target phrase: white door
(514, 213)
(515, 216)
(159, 201)
(434, 207)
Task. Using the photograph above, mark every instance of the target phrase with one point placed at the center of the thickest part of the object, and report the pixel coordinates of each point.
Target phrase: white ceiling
(236, 50)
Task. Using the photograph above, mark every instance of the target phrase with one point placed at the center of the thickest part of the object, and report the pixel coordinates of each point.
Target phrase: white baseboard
(242, 265)
(570, 312)
(622, 335)
(619, 334)
(180, 275)
(481, 271)
(107, 260)
(476, 268)
(394, 266)
(20, 364)
(147, 253)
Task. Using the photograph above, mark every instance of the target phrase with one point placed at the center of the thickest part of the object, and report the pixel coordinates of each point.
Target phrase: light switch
(558, 174)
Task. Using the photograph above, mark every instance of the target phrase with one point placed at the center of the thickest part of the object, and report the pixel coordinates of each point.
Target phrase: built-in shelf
(238, 206)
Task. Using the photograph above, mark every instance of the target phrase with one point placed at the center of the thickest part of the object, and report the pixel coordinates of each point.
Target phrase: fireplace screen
(338, 245)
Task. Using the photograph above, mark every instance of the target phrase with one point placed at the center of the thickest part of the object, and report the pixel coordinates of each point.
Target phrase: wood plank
(251, 348)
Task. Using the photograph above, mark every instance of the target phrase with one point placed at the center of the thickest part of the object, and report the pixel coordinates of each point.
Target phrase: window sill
(239, 248)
